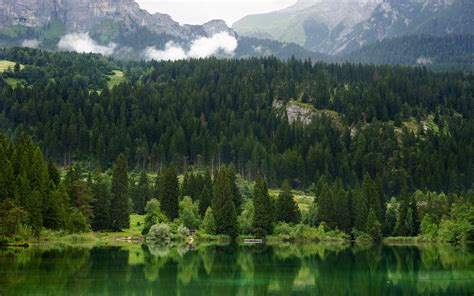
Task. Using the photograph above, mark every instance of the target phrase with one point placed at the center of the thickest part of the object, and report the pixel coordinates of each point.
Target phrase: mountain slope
(338, 27)
(440, 52)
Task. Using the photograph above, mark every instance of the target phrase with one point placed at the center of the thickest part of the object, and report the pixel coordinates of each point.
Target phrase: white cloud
(200, 48)
(82, 42)
(32, 43)
(172, 52)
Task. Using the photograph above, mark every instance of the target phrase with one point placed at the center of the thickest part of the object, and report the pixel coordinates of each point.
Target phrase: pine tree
(53, 173)
(225, 214)
(55, 215)
(326, 209)
(101, 204)
(208, 224)
(141, 194)
(169, 193)
(120, 207)
(286, 208)
(263, 218)
(205, 197)
(373, 227)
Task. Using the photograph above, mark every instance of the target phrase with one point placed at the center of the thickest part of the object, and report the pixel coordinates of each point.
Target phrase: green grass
(115, 79)
(304, 201)
(8, 65)
(137, 222)
(13, 82)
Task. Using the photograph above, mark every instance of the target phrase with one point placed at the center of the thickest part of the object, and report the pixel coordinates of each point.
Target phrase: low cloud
(32, 43)
(200, 48)
(82, 42)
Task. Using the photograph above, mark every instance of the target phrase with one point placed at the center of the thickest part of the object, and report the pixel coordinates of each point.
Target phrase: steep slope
(338, 27)
(90, 15)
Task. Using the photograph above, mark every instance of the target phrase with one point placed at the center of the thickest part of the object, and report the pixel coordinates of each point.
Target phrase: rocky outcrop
(85, 15)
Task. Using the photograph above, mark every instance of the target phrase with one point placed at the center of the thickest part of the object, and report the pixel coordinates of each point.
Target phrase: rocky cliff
(85, 15)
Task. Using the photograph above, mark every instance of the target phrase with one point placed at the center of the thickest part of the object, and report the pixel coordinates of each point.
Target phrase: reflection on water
(310, 269)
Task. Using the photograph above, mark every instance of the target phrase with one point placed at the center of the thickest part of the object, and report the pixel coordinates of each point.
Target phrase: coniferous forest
(385, 150)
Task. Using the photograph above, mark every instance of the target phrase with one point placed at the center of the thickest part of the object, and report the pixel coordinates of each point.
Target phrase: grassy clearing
(116, 78)
(13, 82)
(8, 65)
(137, 222)
(303, 200)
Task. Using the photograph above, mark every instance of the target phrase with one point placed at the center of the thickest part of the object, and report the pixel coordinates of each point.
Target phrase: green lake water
(310, 269)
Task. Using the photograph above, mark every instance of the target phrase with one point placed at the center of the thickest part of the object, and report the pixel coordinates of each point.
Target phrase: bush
(154, 215)
(189, 213)
(302, 232)
(159, 234)
(78, 222)
(429, 229)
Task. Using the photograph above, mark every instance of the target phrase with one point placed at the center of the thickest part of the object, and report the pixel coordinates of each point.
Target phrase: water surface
(311, 269)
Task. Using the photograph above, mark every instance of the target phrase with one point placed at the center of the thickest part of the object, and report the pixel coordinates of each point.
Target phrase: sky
(199, 12)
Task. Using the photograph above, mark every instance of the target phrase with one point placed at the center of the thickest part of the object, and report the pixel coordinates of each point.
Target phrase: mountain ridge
(343, 26)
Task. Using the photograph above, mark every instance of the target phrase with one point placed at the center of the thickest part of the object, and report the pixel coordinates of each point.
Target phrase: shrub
(159, 234)
(189, 213)
(154, 215)
(429, 230)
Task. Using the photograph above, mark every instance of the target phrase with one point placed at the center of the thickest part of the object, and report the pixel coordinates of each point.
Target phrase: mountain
(122, 29)
(338, 27)
(95, 15)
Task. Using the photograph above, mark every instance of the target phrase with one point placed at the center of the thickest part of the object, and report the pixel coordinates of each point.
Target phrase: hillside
(454, 51)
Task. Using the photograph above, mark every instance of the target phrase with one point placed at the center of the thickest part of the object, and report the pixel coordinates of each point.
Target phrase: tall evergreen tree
(263, 217)
(169, 193)
(120, 206)
(286, 208)
(101, 204)
(223, 207)
(141, 194)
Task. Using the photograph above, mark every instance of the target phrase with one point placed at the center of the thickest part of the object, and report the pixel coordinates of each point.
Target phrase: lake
(309, 269)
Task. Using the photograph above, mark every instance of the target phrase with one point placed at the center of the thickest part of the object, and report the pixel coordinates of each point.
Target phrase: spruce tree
(101, 204)
(120, 206)
(286, 208)
(223, 207)
(263, 218)
(169, 193)
(141, 194)
(326, 210)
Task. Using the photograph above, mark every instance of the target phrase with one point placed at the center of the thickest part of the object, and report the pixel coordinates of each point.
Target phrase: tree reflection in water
(326, 269)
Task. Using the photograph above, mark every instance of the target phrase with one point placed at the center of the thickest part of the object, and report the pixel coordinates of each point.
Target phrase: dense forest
(376, 132)
(438, 52)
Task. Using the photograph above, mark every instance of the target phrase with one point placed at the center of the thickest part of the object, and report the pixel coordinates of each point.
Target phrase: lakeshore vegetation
(386, 151)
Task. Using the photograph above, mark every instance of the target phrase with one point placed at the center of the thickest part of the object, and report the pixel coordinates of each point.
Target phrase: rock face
(340, 26)
(85, 15)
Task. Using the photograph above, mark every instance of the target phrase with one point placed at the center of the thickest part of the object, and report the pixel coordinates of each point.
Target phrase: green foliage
(77, 222)
(169, 192)
(429, 229)
(304, 233)
(286, 208)
(140, 193)
(102, 202)
(154, 215)
(223, 207)
(189, 213)
(208, 224)
(120, 205)
(246, 218)
(373, 227)
(263, 216)
(159, 234)
(11, 218)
